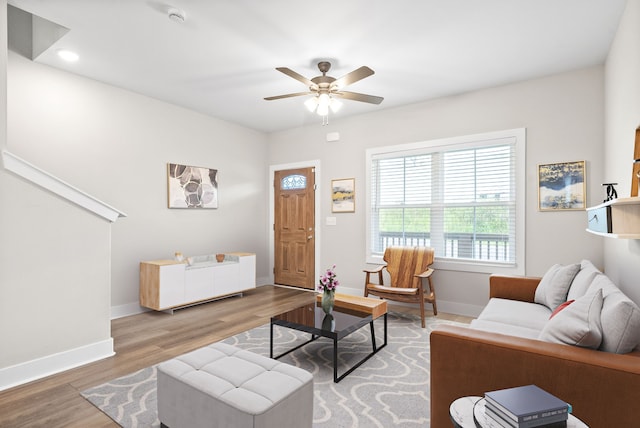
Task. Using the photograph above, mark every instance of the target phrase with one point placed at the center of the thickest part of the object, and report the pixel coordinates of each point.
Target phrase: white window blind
(458, 197)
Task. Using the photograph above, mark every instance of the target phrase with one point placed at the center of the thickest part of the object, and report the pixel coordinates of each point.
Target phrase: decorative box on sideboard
(618, 218)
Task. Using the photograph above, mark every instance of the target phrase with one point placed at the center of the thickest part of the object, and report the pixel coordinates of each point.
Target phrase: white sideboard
(171, 284)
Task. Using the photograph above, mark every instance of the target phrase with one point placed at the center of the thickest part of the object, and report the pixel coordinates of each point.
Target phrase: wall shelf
(618, 218)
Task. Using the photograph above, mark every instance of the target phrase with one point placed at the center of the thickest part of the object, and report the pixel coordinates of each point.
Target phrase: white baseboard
(55, 363)
(121, 311)
(459, 308)
(263, 281)
(134, 308)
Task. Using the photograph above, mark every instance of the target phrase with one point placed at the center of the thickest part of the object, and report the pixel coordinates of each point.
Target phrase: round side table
(461, 412)
(468, 412)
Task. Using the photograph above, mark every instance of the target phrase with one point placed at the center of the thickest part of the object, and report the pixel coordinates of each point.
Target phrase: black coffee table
(342, 322)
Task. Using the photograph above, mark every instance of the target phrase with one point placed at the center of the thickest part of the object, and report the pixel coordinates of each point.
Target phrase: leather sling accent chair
(407, 267)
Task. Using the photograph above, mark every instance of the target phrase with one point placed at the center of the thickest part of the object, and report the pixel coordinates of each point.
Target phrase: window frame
(460, 142)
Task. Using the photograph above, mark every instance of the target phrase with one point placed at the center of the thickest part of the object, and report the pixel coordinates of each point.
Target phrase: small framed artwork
(562, 186)
(343, 195)
(191, 186)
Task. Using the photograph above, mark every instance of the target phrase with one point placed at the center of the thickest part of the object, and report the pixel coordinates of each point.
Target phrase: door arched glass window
(293, 182)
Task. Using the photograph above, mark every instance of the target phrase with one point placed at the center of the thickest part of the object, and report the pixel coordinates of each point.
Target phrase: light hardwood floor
(143, 340)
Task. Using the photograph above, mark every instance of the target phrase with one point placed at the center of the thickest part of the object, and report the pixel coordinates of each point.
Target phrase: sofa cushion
(554, 285)
(583, 279)
(578, 324)
(516, 313)
(620, 318)
(504, 328)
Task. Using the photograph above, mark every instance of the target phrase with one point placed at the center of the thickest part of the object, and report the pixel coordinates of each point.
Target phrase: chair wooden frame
(408, 267)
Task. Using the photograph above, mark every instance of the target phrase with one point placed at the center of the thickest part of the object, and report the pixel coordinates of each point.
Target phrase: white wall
(115, 145)
(54, 274)
(622, 83)
(563, 115)
(58, 288)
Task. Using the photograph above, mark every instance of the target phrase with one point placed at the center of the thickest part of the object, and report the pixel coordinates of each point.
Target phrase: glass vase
(328, 297)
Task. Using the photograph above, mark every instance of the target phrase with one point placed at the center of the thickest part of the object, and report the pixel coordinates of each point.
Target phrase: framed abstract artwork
(191, 186)
(343, 195)
(562, 186)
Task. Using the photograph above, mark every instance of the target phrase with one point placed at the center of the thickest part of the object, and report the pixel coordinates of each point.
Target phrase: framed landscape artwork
(562, 186)
(191, 186)
(343, 195)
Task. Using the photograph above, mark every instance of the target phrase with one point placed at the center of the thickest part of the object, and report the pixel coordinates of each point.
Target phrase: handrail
(53, 184)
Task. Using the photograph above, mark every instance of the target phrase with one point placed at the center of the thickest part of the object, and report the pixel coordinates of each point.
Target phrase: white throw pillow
(620, 318)
(554, 285)
(577, 324)
(581, 283)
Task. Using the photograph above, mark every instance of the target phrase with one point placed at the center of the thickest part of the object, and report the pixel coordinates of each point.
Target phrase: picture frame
(562, 186)
(191, 186)
(343, 195)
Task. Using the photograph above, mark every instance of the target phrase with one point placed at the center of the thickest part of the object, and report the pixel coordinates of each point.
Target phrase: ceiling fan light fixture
(323, 109)
(324, 99)
(311, 104)
(324, 88)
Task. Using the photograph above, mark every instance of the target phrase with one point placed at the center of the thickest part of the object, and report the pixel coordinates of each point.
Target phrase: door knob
(309, 237)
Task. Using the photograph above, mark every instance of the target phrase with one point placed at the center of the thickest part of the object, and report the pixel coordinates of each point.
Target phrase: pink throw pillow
(561, 307)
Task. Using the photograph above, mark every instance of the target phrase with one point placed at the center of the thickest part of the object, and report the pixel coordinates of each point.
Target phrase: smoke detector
(176, 15)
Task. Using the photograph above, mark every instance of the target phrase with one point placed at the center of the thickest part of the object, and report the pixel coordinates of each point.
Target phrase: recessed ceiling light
(68, 55)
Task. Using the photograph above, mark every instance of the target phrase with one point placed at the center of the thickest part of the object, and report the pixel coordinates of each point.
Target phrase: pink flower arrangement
(328, 281)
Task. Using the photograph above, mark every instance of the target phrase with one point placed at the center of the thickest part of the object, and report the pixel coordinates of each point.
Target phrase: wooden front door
(294, 228)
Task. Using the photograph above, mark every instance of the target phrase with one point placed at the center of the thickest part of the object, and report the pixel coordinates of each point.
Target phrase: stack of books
(526, 407)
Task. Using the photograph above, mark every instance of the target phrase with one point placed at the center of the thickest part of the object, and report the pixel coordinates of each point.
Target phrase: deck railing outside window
(480, 246)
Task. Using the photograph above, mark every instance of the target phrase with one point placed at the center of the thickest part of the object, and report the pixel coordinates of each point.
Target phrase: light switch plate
(331, 221)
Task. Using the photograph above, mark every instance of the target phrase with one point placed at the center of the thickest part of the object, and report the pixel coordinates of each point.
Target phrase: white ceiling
(221, 61)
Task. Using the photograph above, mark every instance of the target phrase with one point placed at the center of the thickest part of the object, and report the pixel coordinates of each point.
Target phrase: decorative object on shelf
(611, 191)
(328, 285)
(191, 186)
(562, 186)
(178, 256)
(343, 195)
(220, 257)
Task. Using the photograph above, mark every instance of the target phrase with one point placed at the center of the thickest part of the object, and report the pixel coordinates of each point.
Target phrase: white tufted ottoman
(223, 386)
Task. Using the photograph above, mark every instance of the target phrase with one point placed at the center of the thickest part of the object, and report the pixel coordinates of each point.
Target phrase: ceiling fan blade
(296, 76)
(352, 77)
(358, 97)
(297, 94)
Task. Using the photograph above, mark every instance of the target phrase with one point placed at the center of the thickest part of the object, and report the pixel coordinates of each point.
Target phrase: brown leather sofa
(603, 388)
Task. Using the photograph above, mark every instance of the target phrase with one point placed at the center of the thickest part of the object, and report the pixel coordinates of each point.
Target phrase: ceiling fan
(326, 88)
